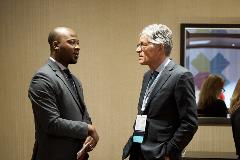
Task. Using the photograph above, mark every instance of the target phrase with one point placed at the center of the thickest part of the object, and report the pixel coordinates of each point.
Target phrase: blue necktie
(154, 74)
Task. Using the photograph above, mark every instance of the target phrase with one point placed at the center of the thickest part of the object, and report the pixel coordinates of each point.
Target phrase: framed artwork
(212, 49)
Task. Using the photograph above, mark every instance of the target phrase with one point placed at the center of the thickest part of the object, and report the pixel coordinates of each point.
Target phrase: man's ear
(55, 45)
(161, 47)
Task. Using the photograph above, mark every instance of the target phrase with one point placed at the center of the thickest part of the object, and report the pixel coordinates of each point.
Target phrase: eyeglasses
(222, 90)
(143, 45)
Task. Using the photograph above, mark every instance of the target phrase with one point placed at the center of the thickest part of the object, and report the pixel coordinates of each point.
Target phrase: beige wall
(212, 139)
(108, 32)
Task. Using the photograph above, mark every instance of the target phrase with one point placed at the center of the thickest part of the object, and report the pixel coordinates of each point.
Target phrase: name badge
(140, 124)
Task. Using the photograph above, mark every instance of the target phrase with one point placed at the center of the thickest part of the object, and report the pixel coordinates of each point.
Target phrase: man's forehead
(144, 38)
(63, 32)
(68, 36)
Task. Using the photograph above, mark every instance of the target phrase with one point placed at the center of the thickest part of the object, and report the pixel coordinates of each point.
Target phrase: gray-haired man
(167, 111)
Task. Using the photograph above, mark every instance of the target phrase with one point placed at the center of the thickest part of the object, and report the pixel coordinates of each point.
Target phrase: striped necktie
(154, 74)
(70, 80)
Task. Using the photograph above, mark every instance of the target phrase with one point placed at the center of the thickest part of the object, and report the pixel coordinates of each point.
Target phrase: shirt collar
(163, 65)
(62, 67)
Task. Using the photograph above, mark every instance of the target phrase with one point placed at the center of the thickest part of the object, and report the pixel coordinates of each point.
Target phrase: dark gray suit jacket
(172, 114)
(60, 117)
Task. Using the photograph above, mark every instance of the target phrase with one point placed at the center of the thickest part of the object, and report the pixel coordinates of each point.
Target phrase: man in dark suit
(167, 111)
(62, 122)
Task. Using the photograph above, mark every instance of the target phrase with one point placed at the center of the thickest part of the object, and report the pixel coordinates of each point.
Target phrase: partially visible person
(167, 109)
(234, 110)
(62, 123)
(209, 104)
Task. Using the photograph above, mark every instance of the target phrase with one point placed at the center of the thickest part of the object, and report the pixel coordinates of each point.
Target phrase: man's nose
(77, 47)
(138, 49)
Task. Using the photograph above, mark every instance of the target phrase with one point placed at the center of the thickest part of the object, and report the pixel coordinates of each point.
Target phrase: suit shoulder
(181, 69)
(44, 70)
(180, 73)
(42, 81)
(43, 75)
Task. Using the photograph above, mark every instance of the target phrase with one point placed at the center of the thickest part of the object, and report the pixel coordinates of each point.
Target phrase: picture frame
(211, 49)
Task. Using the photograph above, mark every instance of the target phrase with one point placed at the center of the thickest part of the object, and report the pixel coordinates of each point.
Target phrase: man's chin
(73, 62)
(142, 63)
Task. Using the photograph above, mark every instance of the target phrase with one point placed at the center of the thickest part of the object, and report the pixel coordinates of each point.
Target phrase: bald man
(62, 123)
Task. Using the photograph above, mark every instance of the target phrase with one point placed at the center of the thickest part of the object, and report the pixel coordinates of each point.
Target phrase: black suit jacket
(235, 120)
(171, 114)
(61, 117)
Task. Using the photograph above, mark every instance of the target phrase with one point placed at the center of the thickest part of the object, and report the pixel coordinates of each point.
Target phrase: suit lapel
(145, 82)
(59, 74)
(166, 73)
(79, 89)
(143, 90)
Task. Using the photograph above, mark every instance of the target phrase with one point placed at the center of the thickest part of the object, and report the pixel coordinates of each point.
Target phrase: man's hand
(89, 144)
(82, 153)
(93, 134)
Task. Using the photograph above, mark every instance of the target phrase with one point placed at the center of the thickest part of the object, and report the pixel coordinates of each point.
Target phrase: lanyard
(150, 88)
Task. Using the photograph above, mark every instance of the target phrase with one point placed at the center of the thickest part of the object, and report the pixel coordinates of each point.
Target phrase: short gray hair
(159, 34)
